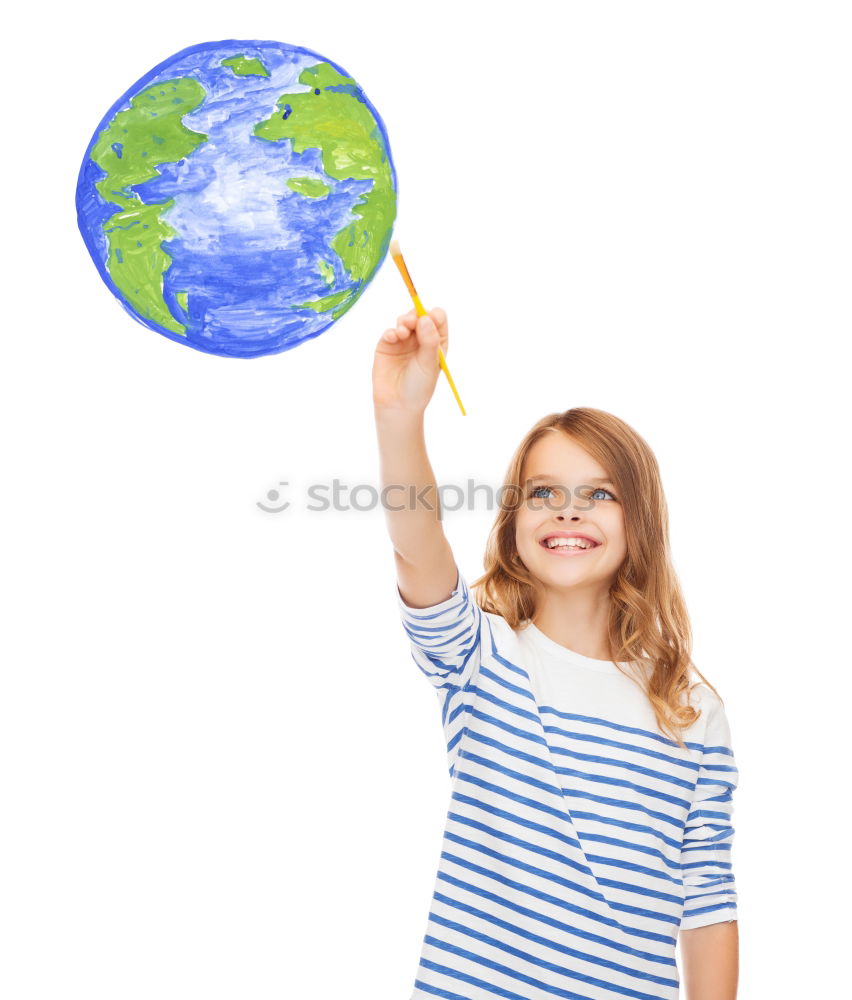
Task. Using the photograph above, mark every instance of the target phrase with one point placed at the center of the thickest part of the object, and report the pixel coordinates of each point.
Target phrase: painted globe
(240, 197)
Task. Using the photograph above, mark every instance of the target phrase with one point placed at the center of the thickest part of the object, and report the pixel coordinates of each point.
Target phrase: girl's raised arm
(405, 372)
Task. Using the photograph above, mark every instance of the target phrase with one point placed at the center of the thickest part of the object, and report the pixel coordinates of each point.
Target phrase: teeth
(579, 543)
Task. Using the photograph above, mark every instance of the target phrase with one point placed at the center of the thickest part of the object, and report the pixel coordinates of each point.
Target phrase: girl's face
(565, 490)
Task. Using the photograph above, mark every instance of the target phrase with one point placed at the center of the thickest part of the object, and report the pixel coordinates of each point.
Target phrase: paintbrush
(396, 253)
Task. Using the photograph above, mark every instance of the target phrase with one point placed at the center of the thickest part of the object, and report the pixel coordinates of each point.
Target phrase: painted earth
(240, 197)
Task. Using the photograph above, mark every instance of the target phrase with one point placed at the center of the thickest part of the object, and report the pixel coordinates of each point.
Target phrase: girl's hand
(406, 366)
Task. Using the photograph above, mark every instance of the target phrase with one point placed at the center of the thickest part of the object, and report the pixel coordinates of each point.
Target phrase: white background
(222, 774)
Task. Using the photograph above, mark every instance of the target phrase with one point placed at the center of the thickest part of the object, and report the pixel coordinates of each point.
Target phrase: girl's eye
(600, 489)
(536, 489)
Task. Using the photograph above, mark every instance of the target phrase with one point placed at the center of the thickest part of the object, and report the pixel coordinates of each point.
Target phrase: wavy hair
(648, 621)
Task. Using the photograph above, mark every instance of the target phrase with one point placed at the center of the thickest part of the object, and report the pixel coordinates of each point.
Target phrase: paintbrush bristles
(396, 253)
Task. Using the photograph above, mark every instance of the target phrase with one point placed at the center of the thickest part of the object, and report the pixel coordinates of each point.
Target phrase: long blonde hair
(648, 622)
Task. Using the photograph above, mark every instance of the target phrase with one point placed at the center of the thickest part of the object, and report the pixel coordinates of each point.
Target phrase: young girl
(592, 776)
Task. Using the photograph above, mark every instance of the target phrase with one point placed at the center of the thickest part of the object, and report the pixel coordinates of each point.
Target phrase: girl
(590, 814)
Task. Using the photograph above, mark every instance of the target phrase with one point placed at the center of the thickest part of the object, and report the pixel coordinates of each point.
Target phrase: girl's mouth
(568, 550)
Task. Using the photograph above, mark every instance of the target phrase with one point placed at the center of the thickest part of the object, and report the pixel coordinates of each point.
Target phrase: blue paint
(349, 88)
(241, 285)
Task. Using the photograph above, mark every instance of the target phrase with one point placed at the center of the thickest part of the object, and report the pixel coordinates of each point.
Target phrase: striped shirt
(578, 839)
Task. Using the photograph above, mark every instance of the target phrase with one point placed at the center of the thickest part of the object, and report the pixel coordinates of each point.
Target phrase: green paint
(183, 300)
(329, 302)
(310, 187)
(245, 67)
(327, 271)
(136, 260)
(351, 143)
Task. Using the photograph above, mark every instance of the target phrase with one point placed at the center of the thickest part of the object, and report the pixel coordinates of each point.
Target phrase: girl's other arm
(405, 372)
(711, 961)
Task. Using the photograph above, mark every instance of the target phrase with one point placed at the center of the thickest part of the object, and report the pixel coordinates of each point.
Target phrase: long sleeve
(445, 639)
(446, 644)
(708, 879)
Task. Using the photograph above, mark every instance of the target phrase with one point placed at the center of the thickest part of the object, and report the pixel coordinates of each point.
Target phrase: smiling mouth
(571, 548)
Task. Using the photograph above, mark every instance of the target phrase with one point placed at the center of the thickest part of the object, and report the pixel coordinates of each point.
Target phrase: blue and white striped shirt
(578, 839)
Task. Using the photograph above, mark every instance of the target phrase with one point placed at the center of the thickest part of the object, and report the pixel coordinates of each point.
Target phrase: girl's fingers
(439, 318)
(407, 324)
(396, 334)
